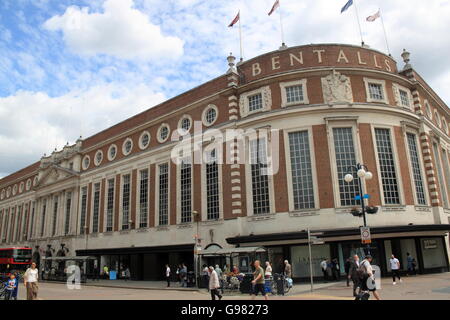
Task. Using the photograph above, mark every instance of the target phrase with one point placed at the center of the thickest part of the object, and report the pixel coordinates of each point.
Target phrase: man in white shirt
(214, 284)
(168, 275)
(323, 266)
(395, 267)
(369, 277)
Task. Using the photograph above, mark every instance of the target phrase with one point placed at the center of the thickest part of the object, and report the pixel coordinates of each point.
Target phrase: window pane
(302, 182)
(110, 206)
(83, 210)
(164, 194)
(345, 160)
(440, 172)
(185, 191)
(294, 94)
(417, 171)
(387, 166)
(96, 208)
(376, 91)
(260, 180)
(143, 199)
(212, 187)
(126, 202)
(68, 206)
(255, 102)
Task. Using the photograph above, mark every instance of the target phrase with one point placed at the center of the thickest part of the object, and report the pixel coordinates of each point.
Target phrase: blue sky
(75, 67)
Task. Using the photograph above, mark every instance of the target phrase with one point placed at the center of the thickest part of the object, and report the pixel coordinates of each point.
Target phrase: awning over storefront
(226, 252)
(339, 233)
(135, 250)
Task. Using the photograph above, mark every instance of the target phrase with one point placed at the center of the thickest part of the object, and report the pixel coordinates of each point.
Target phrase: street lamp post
(195, 214)
(362, 173)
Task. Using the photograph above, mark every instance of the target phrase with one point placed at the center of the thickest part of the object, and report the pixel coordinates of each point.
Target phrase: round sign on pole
(365, 235)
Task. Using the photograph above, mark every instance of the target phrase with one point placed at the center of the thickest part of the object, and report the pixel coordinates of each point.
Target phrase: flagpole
(384, 30)
(359, 23)
(240, 36)
(283, 44)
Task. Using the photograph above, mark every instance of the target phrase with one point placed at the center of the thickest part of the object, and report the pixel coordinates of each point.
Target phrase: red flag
(235, 20)
(275, 7)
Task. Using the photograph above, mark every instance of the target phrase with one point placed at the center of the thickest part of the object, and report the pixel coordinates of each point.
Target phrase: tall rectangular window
(260, 180)
(5, 226)
(18, 222)
(110, 206)
(26, 215)
(302, 180)
(68, 207)
(294, 94)
(126, 202)
(31, 228)
(447, 170)
(441, 178)
(212, 187)
(83, 210)
(185, 191)
(387, 166)
(55, 215)
(404, 98)
(416, 169)
(163, 194)
(344, 149)
(255, 102)
(143, 199)
(95, 213)
(44, 211)
(11, 227)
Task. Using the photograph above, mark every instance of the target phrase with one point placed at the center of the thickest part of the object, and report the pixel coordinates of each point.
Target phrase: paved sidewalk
(144, 285)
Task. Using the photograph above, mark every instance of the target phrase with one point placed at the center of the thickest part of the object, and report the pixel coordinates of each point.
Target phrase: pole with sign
(313, 240)
(365, 235)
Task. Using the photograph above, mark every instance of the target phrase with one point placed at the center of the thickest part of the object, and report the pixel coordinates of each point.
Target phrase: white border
(96, 162)
(141, 146)
(158, 135)
(367, 81)
(124, 151)
(109, 152)
(205, 111)
(284, 85)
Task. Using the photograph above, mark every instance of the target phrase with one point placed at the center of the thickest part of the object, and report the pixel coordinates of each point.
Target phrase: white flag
(374, 17)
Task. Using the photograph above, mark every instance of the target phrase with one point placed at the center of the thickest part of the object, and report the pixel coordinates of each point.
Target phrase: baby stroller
(2, 291)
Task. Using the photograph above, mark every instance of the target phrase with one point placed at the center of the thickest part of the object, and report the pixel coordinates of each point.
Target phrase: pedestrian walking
(347, 265)
(183, 275)
(127, 274)
(268, 273)
(15, 293)
(258, 281)
(105, 272)
(214, 284)
(335, 271)
(30, 281)
(354, 275)
(287, 269)
(395, 267)
(205, 276)
(323, 267)
(368, 277)
(168, 272)
(411, 264)
(11, 285)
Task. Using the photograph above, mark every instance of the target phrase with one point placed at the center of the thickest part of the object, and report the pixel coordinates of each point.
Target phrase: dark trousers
(348, 279)
(325, 275)
(395, 274)
(168, 281)
(356, 285)
(214, 293)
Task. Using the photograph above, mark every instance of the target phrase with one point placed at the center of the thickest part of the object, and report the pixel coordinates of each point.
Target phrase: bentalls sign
(320, 56)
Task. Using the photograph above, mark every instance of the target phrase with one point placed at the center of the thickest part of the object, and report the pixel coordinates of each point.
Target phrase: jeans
(395, 274)
(168, 281)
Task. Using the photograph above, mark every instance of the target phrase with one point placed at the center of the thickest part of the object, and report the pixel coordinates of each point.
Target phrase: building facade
(119, 195)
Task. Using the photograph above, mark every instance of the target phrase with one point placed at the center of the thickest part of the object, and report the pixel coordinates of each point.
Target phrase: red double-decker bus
(14, 259)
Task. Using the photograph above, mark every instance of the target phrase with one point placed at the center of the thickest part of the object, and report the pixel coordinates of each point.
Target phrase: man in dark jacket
(347, 266)
(353, 274)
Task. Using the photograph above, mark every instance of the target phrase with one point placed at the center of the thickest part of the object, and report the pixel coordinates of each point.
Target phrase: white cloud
(121, 31)
(33, 123)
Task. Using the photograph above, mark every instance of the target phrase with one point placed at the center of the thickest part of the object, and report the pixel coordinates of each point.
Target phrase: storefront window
(300, 260)
(433, 253)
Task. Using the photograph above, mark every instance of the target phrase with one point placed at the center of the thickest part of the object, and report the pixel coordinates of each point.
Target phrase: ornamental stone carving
(337, 88)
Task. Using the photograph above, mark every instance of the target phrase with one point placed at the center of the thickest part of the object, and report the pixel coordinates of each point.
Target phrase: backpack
(362, 271)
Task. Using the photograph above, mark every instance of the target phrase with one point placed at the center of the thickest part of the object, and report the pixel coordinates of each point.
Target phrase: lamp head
(361, 173)
(348, 178)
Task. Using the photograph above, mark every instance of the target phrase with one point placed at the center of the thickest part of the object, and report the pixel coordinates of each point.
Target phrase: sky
(71, 68)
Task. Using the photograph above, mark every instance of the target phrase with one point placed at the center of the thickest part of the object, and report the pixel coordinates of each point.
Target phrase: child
(16, 290)
(11, 285)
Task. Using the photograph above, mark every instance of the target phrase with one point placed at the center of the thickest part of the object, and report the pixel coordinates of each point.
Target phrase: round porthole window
(14, 190)
(36, 180)
(28, 184)
(86, 162)
(98, 157)
(21, 187)
(185, 124)
(210, 115)
(163, 133)
(144, 140)
(127, 146)
(8, 192)
(2, 195)
(112, 152)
